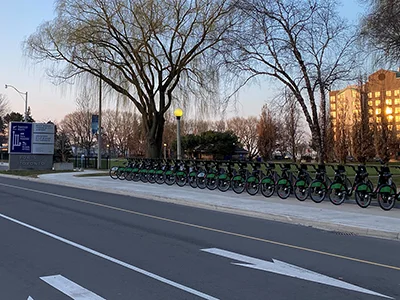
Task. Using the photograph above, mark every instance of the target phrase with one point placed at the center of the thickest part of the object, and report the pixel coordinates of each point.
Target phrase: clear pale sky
(20, 18)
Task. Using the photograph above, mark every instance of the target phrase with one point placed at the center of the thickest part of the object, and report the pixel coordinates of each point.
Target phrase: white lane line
(70, 288)
(114, 260)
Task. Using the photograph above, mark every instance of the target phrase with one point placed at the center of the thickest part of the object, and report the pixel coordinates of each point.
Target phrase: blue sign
(20, 137)
(95, 123)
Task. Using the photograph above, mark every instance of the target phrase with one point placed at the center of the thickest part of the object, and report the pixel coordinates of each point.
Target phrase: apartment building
(383, 88)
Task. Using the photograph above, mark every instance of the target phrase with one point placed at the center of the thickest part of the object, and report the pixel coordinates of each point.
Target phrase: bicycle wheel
(267, 186)
(159, 177)
(301, 189)
(252, 185)
(135, 176)
(317, 190)
(181, 178)
(121, 174)
(201, 180)
(224, 183)
(170, 178)
(113, 172)
(337, 193)
(192, 179)
(212, 183)
(128, 176)
(238, 184)
(283, 188)
(151, 177)
(363, 194)
(386, 197)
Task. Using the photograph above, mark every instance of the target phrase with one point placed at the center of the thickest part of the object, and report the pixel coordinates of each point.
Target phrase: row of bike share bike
(255, 177)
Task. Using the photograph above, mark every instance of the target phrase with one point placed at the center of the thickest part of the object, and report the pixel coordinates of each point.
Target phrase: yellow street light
(178, 114)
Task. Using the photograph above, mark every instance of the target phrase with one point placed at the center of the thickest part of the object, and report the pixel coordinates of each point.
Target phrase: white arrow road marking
(30, 298)
(114, 260)
(280, 267)
(70, 288)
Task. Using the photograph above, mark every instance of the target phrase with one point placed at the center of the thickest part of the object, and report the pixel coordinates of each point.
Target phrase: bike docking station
(31, 146)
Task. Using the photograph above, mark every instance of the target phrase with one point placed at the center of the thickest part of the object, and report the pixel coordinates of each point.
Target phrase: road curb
(247, 213)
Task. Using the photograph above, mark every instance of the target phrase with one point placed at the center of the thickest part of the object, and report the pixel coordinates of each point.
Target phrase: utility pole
(99, 131)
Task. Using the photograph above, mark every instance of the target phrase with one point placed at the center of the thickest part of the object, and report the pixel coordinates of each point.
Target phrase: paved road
(58, 241)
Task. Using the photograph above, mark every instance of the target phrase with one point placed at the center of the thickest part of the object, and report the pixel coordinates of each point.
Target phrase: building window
(378, 119)
(397, 110)
(369, 95)
(378, 111)
(370, 103)
(389, 93)
(398, 127)
(333, 106)
(389, 101)
(333, 114)
(378, 102)
(333, 98)
(397, 101)
(377, 94)
(390, 127)
(397, 92)
(371, 111)
(388, 110)
(397, 119)
(390, 118)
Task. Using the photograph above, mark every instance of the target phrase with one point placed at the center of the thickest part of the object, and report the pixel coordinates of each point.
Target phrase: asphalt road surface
(65, 243)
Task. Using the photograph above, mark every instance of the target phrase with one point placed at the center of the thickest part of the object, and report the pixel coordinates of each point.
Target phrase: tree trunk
(153, 129)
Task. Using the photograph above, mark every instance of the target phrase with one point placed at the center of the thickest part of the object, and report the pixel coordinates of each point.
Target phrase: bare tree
(362, 135)
(247, 133)
(4, 105)
(380, 29)
(342, 134)
(267, 128)
(78, 125)
(147, 51)
(291, 132)
(304, 44)
(219, 125)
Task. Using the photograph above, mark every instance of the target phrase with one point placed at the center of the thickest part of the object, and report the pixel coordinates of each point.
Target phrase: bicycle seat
(303, 167)
(341, 169)
(361, 169)
(286, 166)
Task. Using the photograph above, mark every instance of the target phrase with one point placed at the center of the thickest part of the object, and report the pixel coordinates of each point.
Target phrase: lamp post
(26, 100)
(100, 131)
(178, 114)
(165, 151)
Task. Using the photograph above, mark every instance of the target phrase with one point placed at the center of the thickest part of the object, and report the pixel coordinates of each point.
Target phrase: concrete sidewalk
(347, 217)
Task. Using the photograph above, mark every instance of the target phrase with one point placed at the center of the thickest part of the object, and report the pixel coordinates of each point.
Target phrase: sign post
(31, 146)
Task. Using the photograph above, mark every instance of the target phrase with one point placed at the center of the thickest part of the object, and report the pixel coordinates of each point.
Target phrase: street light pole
(165, 151)
(178, 114)
(26, 100)
(99, 134)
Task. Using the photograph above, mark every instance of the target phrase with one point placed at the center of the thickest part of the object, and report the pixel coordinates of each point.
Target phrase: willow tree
(303, 44)
(145, 50)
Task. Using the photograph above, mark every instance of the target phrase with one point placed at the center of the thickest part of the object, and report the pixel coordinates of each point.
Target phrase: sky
(20, 18)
